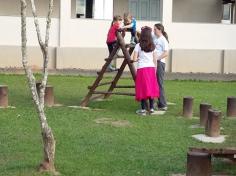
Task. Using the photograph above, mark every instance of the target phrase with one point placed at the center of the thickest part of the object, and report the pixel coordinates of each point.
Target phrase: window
(228, 12)
(146, 9)
(97, 9)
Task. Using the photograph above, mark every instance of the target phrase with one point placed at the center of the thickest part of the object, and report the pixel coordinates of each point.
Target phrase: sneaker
(163, 108)
(132, 41)
(111, 69)
(141, 112)
(152, 111)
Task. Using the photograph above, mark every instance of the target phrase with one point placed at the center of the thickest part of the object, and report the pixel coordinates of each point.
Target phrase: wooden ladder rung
(121, 86)
(108, 71)
(120, 57)
(117, 57)
(127, 45)
(101, 84)
(114, 93)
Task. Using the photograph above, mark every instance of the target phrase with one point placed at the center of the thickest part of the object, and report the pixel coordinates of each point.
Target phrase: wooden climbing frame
(127, 51)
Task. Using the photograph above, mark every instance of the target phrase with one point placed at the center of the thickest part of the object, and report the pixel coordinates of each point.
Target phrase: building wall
(200, 11)
(82, 58)
(10, 57)
(197, 61)
(10, 31)
(81, 43)
(8, 8)
(201, 36)
(230, 61)
(120, 7)
(73, 8)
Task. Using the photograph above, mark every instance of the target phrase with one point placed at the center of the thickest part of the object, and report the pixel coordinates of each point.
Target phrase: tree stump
(49, 95)
(3, 96)
(204, 107)
(198, 164)
(231, 107)
(188, 107)
(213, 123)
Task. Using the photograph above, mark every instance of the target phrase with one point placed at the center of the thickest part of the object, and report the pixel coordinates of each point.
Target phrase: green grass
(154, 146)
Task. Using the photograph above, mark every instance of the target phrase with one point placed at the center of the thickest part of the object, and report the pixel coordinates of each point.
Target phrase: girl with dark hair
(146, 87)
(160, 39)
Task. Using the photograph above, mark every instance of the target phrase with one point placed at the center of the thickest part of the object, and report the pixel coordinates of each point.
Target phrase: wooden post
(204, 107)
(231, 107)
(3, 96)
(188, 107)
(213, 123)
(49, 95)
(198, 164)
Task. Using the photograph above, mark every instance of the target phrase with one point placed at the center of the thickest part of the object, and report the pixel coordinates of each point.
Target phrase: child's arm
(155, 57)
(128, 26)
(136, 51)
(164, 55)
(165, 48)
(135, 56)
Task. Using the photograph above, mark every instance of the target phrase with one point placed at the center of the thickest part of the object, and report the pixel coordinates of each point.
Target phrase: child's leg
(143, 104)
(151, 103)
(110, 48)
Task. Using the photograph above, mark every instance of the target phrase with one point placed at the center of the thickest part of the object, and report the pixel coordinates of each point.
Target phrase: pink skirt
(146, 84)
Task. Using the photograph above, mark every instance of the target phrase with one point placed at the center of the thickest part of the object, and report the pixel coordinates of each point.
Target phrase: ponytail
(162, 29)
(165, 35)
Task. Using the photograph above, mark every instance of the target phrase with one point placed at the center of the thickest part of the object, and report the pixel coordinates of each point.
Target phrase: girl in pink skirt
(146, 87)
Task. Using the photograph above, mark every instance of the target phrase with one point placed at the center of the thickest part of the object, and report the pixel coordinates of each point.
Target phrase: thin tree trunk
(47, 135)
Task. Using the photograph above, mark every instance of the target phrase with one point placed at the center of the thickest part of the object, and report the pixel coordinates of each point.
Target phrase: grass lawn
(153, 146)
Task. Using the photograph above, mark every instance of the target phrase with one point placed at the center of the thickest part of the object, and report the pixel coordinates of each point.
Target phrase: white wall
(12, 8)
(201, 36)
(10, 31)
(201, 11)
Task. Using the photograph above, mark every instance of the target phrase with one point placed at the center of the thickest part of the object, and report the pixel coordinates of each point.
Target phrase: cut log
(231, 107)
(188, 107)
(198, 164)
(204, 107)
(213, 123)
(3, 96)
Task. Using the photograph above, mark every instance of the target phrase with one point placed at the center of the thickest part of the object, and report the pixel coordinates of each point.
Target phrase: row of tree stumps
(199, 163)
(188, 107)
(48, 98)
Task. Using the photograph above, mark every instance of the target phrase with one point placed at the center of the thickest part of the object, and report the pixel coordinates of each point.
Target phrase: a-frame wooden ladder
(127, 51)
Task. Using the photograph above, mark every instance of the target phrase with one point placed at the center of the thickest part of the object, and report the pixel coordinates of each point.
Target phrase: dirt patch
(112, 122)
(85, 108)
(121, 123)
(103, 121)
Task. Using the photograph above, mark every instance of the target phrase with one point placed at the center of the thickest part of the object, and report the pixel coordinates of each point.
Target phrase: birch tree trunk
(38, 99)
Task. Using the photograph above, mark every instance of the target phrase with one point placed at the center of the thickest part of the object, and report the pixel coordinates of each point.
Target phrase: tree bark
(49, 142)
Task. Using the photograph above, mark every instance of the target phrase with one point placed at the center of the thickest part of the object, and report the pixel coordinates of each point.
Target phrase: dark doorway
(89, 8)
